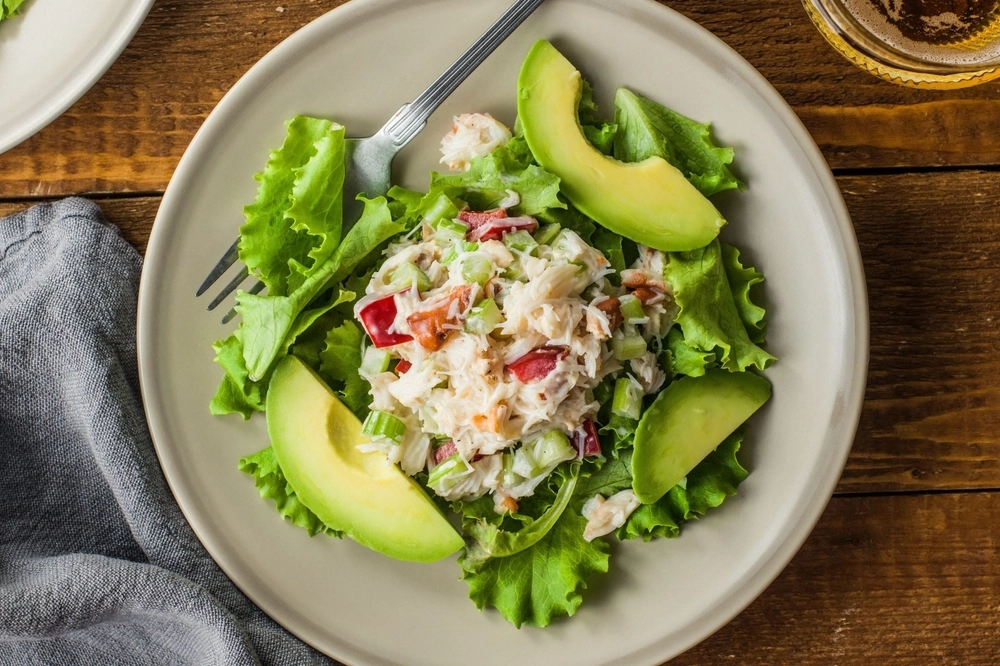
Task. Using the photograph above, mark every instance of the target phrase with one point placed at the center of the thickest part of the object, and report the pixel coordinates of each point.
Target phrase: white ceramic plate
(358, 64)
(53, 53)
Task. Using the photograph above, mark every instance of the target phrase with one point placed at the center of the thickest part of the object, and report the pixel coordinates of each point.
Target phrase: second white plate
(53, 53)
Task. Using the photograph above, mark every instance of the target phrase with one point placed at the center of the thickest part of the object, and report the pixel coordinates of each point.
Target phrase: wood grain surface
(129, 131)
(908, 580)
(904, 567)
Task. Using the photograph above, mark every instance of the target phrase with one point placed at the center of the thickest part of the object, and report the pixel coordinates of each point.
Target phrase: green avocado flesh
(686, 422)
(315, 439)
(650, 202)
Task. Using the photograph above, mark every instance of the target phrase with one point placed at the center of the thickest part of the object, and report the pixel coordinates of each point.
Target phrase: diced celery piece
(375, 361)
(409, 274)
(515, 271)
(560, 242)
(447, 473)
(552, 448)
(628, 398)
(510, 477)
(449, 230)
(384, 426)
(521, 241)
(627, 345)
(524, 463)
(631, 307)
(456, 249)
(546, 234)
(536, 457)
(443, 208)
(483, 318)
(477, 268)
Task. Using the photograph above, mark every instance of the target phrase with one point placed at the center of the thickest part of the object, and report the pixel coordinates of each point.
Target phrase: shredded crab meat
(472, 135)
(465, 386)
(604, 516)
(647, 372)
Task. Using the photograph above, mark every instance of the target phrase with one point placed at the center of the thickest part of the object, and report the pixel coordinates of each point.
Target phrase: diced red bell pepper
(403, 366)
(377, 317)
(585, 440)
(445, 451)
(477, 218)
(428, 323)
(536, 364)
(496, 229)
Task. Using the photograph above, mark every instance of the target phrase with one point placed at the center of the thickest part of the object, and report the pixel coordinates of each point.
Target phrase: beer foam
(979, 50)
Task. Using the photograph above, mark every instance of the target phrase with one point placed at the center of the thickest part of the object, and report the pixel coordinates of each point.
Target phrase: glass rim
(841, 25)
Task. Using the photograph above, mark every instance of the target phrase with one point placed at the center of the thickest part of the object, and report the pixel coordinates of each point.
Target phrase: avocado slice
(650, 202)
(315, 439)
(686, 422)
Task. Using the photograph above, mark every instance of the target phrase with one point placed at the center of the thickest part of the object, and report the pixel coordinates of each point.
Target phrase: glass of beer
(918, 43)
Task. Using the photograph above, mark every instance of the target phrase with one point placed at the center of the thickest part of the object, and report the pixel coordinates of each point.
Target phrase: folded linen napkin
(97, 564)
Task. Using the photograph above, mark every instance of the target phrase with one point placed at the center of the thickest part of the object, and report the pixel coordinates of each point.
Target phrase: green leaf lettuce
(646, 128)
(271, 483)
(707, 314)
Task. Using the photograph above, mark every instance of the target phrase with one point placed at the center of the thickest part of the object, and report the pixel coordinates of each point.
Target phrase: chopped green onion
(631, 307)
(409, 274)
(444, 476)
(546, 234)
(384, 426)
(521, 241)
(375, 361)
(627, 346)
(483, 318)
(628, 398)
(477, 268)
(449, 230)
(443, 208)
(457, 248)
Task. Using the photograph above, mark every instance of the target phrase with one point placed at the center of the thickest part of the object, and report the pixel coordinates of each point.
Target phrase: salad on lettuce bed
(550, 381)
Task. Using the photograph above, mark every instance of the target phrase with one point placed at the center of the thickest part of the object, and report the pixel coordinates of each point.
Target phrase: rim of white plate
(852, 376)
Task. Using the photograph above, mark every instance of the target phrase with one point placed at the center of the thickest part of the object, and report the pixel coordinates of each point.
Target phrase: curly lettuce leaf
(509, 167)
(317, 201)
(237, 394)
(707, 313)
(741, 279)
(340, 361)
(485, 540)
(706, 487)
(9, 8)
(683, 359)
(276, 246)
(600, 134)
(646, 128)
(271, 483)
(538, 583)
(269, 322)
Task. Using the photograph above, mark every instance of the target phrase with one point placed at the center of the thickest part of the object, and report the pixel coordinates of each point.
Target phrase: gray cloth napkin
(97, 564)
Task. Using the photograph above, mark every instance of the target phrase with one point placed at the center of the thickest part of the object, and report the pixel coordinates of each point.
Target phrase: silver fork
(369, 160)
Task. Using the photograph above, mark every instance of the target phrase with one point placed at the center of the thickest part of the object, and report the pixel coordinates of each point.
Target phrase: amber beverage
(919, 43)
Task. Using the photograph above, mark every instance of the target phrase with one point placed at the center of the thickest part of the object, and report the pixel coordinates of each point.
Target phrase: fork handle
(409, 120)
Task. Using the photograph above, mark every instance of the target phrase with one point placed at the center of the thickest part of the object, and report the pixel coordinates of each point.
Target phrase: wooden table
(904, 566)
